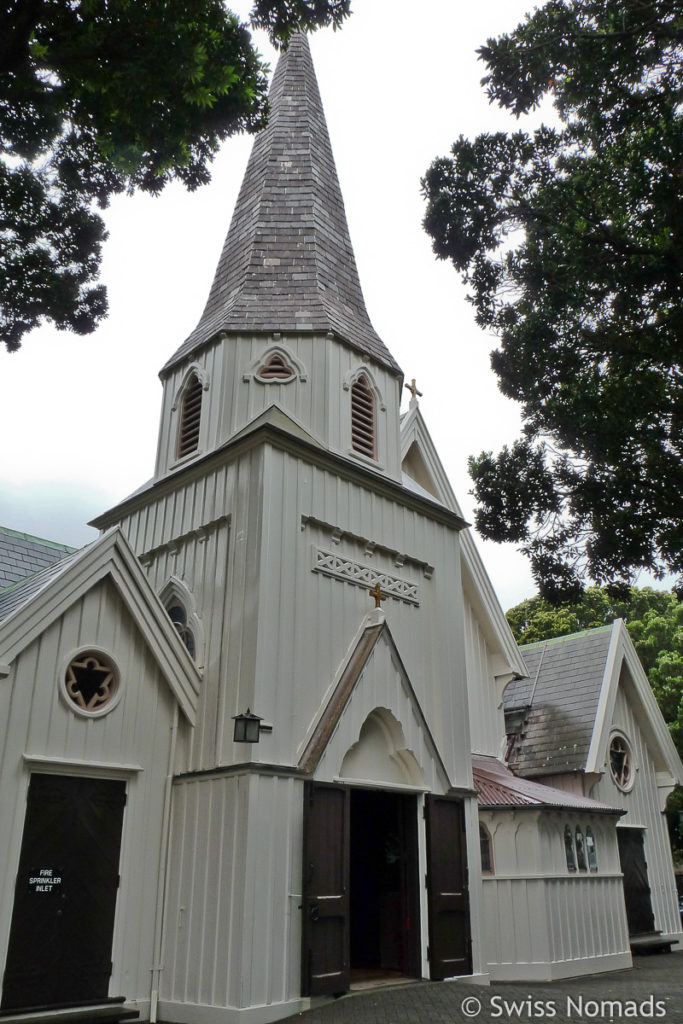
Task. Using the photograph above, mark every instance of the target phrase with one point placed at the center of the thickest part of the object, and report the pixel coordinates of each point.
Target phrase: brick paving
(651, 991)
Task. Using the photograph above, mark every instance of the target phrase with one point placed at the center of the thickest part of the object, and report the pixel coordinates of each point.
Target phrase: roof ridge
(37, 540)
(567, 636)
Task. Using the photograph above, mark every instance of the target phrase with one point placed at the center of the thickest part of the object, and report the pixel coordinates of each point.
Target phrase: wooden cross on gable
(376, 592)
(412, 387)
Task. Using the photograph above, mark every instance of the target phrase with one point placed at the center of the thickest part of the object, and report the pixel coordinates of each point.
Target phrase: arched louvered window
(363, 418)
(275, 368)
(190, 416)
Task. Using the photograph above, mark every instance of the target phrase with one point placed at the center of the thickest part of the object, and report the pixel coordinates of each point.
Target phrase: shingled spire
(287, 262)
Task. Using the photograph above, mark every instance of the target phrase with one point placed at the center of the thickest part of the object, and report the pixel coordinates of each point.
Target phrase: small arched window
(591, 850)
(486, 847)
(569, 849)
(190, 416)
(178, 616)
(363, 418)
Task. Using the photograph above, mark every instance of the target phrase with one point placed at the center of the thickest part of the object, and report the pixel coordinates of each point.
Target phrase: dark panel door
(448, 896)
(325, 904)
(63, 920)
(636, 883)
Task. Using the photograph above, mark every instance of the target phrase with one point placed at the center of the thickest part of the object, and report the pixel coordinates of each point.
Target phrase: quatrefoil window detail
(91, 682)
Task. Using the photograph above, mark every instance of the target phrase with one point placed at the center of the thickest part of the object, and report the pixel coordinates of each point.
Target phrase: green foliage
(654, 619)
(99, 97)
(283, 17)
(571, 241)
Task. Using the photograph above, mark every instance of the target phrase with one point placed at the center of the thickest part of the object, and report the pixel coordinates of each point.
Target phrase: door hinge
(426, 881)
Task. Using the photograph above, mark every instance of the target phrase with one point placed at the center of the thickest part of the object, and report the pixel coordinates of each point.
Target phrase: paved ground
(651, 991)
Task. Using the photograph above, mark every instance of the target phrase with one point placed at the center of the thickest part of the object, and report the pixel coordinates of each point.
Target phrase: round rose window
(91, 682)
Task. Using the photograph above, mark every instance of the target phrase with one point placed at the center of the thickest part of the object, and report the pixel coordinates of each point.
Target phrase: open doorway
(384, 909)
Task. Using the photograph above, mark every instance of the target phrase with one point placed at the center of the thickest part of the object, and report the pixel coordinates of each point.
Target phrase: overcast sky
(399, 83)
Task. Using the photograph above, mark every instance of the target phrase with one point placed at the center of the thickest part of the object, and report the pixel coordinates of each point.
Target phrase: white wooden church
(254, 743)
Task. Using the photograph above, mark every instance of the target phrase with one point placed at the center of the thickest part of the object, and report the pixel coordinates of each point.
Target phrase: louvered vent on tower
(363, 418)
(275, 368)
(190, 417)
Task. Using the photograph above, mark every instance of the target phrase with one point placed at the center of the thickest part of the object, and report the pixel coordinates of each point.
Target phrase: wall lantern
(248, 727)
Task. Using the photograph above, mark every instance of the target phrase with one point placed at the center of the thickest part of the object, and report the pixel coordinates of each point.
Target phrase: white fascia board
(482, 596)
(597, 752)
(109, 556)
(657, 727)
(621, 650)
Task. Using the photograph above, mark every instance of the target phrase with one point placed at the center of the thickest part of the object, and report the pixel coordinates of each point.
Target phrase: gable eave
(109, 557)
(333, 706)
(622, 650)
(482, 594)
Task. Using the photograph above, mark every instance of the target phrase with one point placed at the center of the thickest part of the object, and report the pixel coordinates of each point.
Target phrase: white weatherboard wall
(309, 620)
(541, 921)
(642, 804)
(132, 742)
(232, 943)
(487, 718)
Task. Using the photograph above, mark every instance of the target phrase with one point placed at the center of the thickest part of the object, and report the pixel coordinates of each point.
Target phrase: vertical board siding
(310, 621)
(540, 920)
(232, 923)
(39, 722)
(642, 805)
(320, 403)
(487, 720)
(544, 922)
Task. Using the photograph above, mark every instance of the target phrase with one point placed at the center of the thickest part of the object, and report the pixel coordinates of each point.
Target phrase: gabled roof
(567, 703)
(418, 451)
(31, 606)
(497, 787)
(22, 555)
(324, 729)
(287, 262)
(562, 694)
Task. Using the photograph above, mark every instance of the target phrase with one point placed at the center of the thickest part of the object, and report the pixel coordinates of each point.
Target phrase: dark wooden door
(63, 920)
(636, 883)
(325, 904)
(448, 896)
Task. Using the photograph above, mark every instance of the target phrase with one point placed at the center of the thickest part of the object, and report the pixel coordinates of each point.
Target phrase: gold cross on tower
(376, 592)
(412, 387)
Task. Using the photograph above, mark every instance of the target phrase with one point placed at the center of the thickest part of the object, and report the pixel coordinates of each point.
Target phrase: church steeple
(287, 263)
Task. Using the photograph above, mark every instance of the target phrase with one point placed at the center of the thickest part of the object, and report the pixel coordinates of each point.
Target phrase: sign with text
(44, 880)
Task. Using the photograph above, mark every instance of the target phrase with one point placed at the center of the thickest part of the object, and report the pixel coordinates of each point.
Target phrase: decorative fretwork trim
(399, 558)
(171, 546)
(345, 569)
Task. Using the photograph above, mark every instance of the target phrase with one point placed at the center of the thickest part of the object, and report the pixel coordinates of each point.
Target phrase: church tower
(316, 586)
(285, 323)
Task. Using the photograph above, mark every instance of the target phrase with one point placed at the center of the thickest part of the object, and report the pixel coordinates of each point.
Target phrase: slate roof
(22, 555)
(497, 787)
(561, 695)
(287, 262)
(18, 594)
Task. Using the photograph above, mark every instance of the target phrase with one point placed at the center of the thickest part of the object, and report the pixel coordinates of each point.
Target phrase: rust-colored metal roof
(497, 787)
